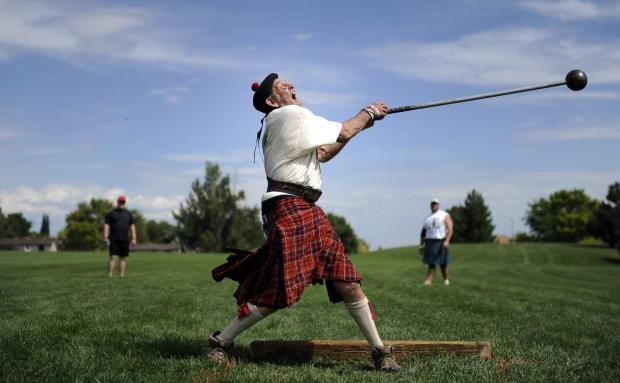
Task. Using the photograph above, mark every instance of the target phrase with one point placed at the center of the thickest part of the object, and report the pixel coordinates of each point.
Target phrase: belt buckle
(311, 194)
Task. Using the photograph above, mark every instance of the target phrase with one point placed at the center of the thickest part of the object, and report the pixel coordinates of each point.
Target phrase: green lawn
(551, 313)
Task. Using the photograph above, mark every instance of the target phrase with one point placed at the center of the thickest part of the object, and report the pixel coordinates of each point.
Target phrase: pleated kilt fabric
(301, 248)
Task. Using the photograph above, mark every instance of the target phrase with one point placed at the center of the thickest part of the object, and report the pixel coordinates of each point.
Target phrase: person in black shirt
(118, 224)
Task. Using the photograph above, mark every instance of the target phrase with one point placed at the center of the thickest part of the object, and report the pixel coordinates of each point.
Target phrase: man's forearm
(106, 231)
(449, 232)
(449, 228)
(349, 129)
(133, 233)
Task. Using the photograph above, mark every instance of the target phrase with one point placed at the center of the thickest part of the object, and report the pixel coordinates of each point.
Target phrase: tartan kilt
(301, 248)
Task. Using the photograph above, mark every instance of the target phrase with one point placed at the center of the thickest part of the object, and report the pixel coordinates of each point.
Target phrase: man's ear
(271, 102)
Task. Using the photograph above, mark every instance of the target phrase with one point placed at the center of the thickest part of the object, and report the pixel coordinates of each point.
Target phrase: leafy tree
(160, 231)
(362, 246)
(82, 236)
(521, 236)
(2, 224)
(345, 232)
(566, 216)
(459, 223)
(84, 228)
(606, 223)
(141, 229)
(45, 226)
(93, 211)
(472, 221)
(16, 226)
(211, 219)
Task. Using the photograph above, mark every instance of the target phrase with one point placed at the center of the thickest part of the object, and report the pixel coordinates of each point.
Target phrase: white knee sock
(361, 313)
(242, 321)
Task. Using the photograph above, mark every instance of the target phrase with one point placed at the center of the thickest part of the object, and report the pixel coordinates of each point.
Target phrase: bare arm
(134, 239)
(449, 231)
(106, 231)
(350, 129)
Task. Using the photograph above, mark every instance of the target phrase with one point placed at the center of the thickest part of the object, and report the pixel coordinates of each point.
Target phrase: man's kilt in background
(301, 248)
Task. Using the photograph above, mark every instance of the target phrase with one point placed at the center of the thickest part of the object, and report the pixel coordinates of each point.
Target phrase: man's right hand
(376, 111)
(107, 242)
(380, 109)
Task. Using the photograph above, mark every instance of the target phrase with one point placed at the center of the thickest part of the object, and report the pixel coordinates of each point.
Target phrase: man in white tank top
(435, 238)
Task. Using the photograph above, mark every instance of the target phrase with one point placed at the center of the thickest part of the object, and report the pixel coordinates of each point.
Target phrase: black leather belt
(305, 192)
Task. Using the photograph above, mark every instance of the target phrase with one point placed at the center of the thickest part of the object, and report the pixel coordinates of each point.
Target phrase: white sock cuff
(357, 305)
(248, 309)
(255, 311)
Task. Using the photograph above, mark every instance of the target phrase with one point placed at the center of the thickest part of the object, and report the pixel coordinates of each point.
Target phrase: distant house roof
(503, 239)
(27, 241)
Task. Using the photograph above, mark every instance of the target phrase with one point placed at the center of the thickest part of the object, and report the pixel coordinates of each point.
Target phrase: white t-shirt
(435, 225)
(290, 139)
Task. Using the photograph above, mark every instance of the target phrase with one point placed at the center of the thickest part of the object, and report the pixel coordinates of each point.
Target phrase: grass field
(551, 313)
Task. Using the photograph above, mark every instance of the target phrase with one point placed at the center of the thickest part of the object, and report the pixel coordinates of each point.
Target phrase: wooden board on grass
(348, 349)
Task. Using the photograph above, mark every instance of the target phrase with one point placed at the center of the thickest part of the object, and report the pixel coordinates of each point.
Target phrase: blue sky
(99, 98)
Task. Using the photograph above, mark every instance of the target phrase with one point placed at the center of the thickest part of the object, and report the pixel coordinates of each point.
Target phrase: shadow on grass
(244, 355)
(173, 348)
(615, 260)
(189, 348)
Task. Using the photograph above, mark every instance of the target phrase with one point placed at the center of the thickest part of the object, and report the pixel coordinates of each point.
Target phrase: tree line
(212, 218)
(563, 216)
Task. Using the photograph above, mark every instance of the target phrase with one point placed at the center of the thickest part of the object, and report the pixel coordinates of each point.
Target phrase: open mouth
(294, 96)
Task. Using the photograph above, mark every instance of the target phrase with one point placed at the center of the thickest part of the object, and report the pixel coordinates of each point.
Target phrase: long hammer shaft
(472, 98)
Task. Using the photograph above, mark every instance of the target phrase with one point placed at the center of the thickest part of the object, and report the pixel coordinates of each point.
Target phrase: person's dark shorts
(435, 253)
(120, 248)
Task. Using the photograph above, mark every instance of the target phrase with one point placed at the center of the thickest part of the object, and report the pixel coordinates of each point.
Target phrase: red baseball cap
(121, 198)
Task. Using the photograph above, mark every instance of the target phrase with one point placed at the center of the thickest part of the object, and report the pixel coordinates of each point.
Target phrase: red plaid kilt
(301, 248)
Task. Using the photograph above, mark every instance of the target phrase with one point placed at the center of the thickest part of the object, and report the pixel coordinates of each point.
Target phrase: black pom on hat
(262, 91)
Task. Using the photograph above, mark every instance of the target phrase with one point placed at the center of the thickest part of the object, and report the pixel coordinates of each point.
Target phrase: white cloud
(591, 132)
(58, 200)
(7, 134)
(104, 23)
(238, 156)
(46, 151)
(4, 55)
(507, 56)
(82, 36)
(568, 10)
(326, 98)
(301, 37)
(389, 214)
(541, 98)
(171, 95)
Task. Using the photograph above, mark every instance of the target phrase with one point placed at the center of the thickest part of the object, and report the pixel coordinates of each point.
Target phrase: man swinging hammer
(302, 247)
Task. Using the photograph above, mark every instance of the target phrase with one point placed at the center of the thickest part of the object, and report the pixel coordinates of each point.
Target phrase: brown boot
(384, 360)
(219, 351)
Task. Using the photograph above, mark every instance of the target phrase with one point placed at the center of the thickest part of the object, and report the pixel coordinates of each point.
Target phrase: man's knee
(350, 291)
(265, 311)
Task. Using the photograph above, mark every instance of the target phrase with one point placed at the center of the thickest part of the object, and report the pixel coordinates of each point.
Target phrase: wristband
(368, 109)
